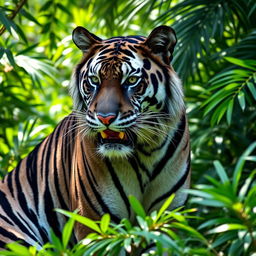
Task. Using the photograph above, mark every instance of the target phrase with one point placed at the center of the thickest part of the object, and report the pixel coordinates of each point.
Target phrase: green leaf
(46, 6)
(64, 9)
(227, 227)
(143, 224)
(241, 100)
(251, 64)
(2, 51)
(247, 184)
(127, 244)
(10, 57)
(19, 250)
(165, 206)
(127, 224)
(252, 89)
(67, 232)
(191, 230)
(29, 16)
(221, 172)
(104, 223)
(239, 166)
(55, 241)
(5, 21)
(137, 207)
(81, 219)
(229, 236)
(230, 111)
(155, 236)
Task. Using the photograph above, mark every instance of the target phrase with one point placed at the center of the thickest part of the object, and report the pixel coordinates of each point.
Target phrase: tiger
(126, 135)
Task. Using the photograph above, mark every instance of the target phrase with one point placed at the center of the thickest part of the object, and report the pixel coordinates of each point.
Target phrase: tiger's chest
(150, 179)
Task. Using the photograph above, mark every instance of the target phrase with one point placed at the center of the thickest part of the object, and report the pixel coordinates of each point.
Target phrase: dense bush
(216, 59)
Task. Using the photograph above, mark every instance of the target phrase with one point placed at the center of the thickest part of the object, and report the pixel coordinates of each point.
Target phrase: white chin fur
(115, 150)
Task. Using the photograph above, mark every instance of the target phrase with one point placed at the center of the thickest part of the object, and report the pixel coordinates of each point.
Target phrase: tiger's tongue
(109, 134)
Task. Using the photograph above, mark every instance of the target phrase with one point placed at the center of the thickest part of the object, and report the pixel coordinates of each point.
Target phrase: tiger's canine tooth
(121, 135)
(103, 135)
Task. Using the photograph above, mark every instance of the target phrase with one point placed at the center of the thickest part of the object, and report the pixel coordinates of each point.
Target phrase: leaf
(2, 51)
(67, 232)
(19, 250)
(137, 207)
(46, 6)
(64, 9)
(104, 223)
(239, 166)
(221, 172)
(10, 57)
(191, 230)
(143, 224)
(230, 111)
(227, 227)
(127, 244)
(219, 112)
(55, 240)
(250, 64)
(29, 16)
(5, 21)
(252, 89)
(229, 236)
(241, 100)
(165, 206)
(81, 219)
(246, 185)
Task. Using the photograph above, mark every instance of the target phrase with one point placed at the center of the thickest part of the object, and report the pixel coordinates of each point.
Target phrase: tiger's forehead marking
(115, 56)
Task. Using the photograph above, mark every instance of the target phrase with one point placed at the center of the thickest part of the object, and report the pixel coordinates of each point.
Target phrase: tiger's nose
(106, 118)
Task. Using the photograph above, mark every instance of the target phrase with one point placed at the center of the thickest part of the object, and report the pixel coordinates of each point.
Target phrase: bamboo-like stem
(13, 14)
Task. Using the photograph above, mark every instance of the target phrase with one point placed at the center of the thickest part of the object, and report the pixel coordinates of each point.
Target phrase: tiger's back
(128, 134)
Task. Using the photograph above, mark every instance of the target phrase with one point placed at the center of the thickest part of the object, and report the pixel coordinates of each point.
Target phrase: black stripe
(42, 233)
(142, 150)
(10, 236)
(118, 185)
(24, 204)
(6, 219)
(134, 165)
(180, 182)
(8, 209)
(88, 168)
(56, 173)
(98, 196)
(85, 194)
(51, 215)
(142, 166)
(31, 172)
(9, 182)
(173, 144)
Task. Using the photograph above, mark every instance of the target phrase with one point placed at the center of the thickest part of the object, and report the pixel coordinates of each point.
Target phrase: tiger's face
(125, 92)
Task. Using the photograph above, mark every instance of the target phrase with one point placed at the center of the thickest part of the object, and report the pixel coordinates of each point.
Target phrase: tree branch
(13, 14)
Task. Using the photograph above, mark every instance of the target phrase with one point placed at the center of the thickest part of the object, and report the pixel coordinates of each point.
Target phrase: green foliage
(216, 58)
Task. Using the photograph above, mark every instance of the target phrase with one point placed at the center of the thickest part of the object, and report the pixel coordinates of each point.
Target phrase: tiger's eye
(94, 79)
(132, 79)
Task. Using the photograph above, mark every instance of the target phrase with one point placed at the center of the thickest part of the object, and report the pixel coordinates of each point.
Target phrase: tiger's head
(125, 92)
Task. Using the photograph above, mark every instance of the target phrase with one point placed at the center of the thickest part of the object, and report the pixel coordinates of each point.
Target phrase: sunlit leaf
(104, 223)
(81, 219)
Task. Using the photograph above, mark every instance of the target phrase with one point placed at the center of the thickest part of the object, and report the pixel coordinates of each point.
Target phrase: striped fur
(128, 134)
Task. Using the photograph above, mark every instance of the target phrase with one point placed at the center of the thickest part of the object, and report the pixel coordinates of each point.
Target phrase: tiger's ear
(83, 39)
(161, 42)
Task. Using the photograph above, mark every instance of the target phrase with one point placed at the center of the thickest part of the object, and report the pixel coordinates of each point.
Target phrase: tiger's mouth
(113, 137)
